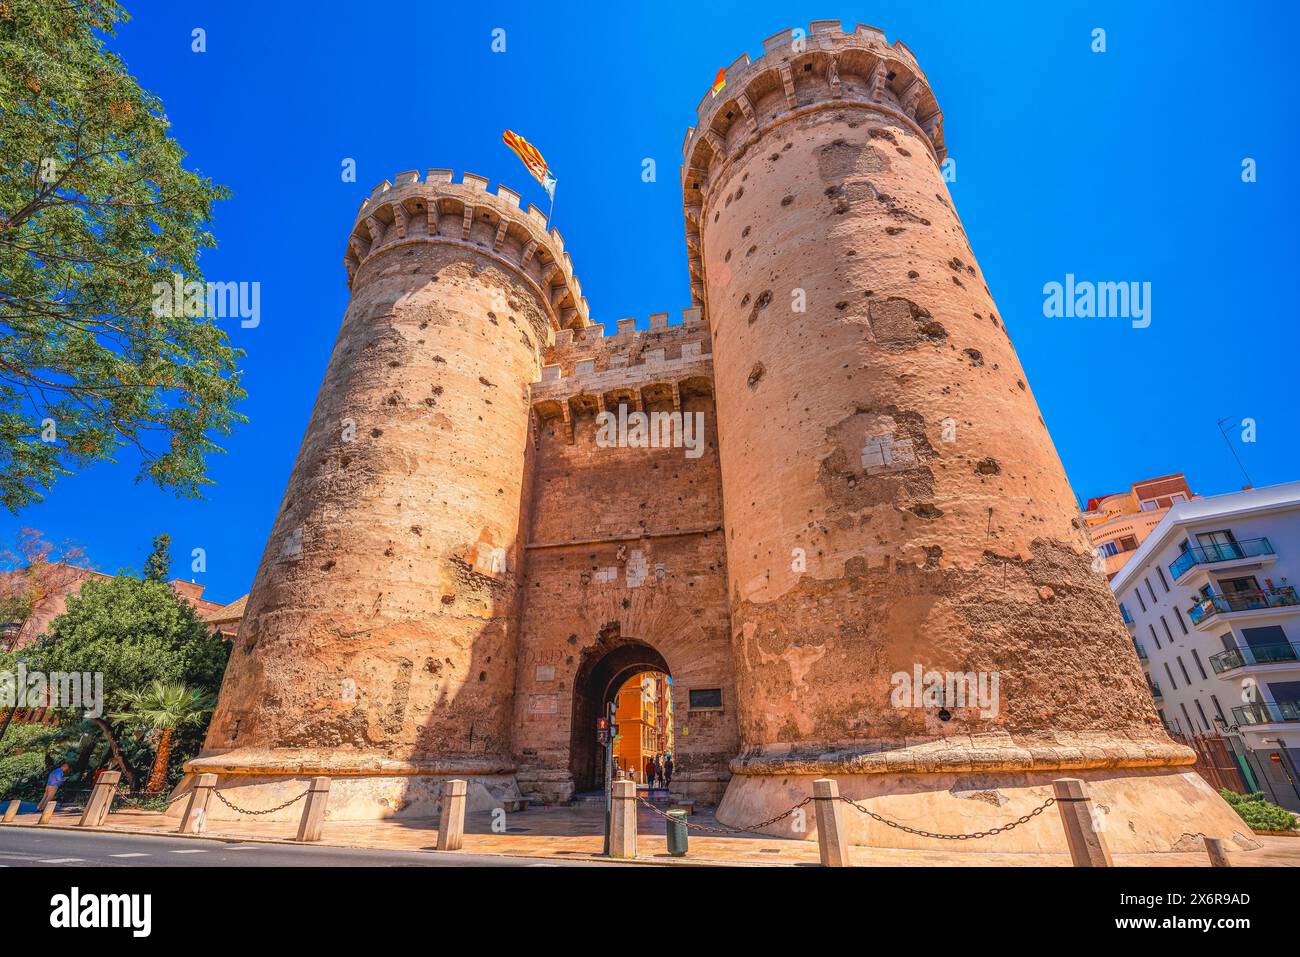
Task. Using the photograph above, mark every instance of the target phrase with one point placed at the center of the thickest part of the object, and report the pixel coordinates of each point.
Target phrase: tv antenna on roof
(1233, 450)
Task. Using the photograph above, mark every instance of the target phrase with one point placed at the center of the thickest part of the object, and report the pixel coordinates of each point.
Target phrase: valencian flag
(720, 80)
(533, 160)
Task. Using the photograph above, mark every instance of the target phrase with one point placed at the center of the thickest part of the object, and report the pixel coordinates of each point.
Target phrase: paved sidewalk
(575, 833)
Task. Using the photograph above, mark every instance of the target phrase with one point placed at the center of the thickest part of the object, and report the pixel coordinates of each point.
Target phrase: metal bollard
(451, 823)
(832, 841)
(313, 812)
(11, 811)
(622, 824)
(47, 812)
(1218, 856)
(196, 808)
(1087, 846)
(101, 799)
(677, 834)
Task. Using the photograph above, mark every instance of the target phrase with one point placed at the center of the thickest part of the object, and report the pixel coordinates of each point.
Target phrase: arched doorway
(598, 680)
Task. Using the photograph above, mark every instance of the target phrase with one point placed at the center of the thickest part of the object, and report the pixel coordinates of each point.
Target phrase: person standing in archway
(668, 772)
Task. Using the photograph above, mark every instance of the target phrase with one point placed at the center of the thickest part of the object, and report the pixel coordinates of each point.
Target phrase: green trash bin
(677, 833)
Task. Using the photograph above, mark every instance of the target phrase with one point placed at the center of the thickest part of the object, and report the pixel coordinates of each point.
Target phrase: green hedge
(1260, 814)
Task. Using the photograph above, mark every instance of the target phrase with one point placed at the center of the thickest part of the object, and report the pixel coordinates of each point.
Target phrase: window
(1168, 634)
(1181, 623)
(1196, 656)
(1205, 722)
(1153, 635)
(1150, 505)
(702, 698)
(1128, 544)
(1183, 668)
(1161, 572)
(1139, 598)
(1108, 549)
(1151, 590)
(1191, 726)
(1219, 708)
(1172, 683)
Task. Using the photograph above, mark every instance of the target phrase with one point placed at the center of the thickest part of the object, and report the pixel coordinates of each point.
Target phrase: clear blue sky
(1116, 166)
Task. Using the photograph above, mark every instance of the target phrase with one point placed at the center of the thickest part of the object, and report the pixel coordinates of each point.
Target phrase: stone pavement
(575, 833)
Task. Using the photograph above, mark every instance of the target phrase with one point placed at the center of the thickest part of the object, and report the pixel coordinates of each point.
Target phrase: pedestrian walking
(668, 771)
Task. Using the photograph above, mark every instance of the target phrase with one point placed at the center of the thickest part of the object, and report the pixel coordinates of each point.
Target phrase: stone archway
(597, 682)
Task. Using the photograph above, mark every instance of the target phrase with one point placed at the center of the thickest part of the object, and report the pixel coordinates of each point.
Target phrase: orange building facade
(1119, 523)
(645, 723)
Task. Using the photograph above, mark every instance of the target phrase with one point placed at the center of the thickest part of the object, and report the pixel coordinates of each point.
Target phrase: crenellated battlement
(437, 209)
(587, 371)
(824, 68)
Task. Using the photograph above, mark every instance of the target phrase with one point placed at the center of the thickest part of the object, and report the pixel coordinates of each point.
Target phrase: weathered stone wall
(625, 558)
(382, 618)
(892, 495)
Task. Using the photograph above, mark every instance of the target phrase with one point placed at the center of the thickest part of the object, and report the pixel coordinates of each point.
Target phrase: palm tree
(164, 706)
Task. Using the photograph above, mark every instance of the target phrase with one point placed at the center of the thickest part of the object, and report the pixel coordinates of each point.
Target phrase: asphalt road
(48, 847)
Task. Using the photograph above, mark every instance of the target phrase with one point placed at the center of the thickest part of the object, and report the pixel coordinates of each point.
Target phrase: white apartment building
(1215, 618)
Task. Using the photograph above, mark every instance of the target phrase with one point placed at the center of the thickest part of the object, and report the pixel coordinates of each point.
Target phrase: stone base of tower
(363, 787)
(1148, 798)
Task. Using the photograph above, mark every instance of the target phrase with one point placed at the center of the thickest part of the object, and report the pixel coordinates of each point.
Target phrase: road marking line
(128, 855)
(61, 860)
(196, 850)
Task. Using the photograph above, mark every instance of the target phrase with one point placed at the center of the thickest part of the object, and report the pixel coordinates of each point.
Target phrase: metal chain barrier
(726, 830)
(270, 810)
(1025, 819)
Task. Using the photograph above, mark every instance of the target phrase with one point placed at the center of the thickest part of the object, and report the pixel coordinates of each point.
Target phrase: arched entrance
(598, 680)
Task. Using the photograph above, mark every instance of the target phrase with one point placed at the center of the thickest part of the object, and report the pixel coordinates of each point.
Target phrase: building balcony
(1253, 551)
(1156, 692)
(1267, 712)
(1242, 602)
(1142, 652)
(1282, 653)
(1128, 619)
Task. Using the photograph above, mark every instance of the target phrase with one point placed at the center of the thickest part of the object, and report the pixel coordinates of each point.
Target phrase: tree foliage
(158, 565)
(164, 707)
(1258, 812)
(95, 209)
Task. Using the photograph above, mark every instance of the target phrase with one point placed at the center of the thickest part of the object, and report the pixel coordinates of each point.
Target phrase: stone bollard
(47, 812)
(101, 799)
(622, 824)
(1218, 856)
(1087, 845)
(832, 840)
(11, 811)
(313, 811)
(451, 824)
(196, 808)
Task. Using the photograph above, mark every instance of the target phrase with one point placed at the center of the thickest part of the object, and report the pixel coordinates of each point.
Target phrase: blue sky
(1124, 165)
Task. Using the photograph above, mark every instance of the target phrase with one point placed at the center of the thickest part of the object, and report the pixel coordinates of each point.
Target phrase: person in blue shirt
(53, 783)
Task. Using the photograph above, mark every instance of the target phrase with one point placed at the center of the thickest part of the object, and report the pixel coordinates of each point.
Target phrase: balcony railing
(1271, 654)
(1223, 552)
(1142, 652)
(1268, 712)
(1155, 690)
(1128, 619)
(1243, 601)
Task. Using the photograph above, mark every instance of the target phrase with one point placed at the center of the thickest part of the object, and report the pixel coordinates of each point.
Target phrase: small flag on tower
(527, 152)
(720, 80)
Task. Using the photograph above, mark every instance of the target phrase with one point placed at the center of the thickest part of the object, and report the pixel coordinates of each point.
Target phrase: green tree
(159, 563)
(95, 209)
(134, 632)
(164, 706)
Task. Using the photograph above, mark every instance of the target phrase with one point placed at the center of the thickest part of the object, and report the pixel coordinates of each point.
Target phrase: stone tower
(893, 503)
(379, 641)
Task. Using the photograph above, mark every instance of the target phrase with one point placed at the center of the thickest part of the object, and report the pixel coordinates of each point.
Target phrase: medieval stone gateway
(460, 570)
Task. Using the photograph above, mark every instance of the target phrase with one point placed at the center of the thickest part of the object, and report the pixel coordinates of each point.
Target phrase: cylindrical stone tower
(378, 642)
(914, 607)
